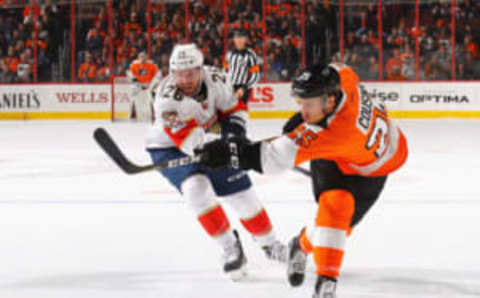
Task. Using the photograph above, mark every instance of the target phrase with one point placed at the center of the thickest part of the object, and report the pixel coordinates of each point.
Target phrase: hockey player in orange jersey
(352, 145)
(145, 76)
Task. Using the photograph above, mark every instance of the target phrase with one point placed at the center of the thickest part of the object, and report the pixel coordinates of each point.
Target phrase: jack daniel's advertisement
(16, 100)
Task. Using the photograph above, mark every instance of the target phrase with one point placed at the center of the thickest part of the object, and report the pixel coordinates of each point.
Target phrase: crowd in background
(17, 41)
(436, 47)
(275, 34)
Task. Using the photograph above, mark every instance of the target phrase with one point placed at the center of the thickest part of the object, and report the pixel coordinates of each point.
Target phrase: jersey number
(217, 74)
(172, 92)
(216, 77)
(378, 136)
(302, 137)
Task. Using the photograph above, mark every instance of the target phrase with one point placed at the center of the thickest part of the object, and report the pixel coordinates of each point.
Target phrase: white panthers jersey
(182, 121)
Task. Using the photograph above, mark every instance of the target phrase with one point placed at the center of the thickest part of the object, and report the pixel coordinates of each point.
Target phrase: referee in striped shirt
(242, 66)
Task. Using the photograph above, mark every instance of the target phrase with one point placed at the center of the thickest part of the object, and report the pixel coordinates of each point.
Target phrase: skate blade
(239, 274)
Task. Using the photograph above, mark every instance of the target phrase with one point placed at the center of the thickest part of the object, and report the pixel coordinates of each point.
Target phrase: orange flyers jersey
(145, 72)
(358, 136)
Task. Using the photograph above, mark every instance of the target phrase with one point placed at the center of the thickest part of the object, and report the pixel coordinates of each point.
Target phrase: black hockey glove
(233, 126)
(236, 153)
(292, 123)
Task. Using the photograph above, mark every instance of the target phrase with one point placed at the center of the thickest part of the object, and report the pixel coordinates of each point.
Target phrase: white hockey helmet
(185, 56)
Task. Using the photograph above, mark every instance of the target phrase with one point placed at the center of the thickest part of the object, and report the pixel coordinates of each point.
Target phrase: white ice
(73, 225)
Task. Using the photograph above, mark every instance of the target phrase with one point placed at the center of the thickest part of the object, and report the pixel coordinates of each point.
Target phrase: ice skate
(325, 287)
(277, 251)
(234, 260)
(296, 263)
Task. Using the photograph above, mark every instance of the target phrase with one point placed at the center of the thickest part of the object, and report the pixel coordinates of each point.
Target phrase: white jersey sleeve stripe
(278, 155)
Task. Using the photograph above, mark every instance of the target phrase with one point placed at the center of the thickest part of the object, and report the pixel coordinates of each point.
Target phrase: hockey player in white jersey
(189, 103)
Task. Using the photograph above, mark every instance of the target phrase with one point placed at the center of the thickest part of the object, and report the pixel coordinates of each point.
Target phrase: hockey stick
(108, 145)
(303, 171)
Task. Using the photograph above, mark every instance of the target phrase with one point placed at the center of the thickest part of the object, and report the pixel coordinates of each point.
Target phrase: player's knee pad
(335, 209)
(245, 203)
(252, 214)
(198, 191)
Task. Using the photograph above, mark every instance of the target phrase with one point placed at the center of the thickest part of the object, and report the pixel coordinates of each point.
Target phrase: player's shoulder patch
(171, 119)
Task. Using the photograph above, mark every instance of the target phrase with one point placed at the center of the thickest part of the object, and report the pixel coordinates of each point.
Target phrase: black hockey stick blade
(108, 145)
(303, 171)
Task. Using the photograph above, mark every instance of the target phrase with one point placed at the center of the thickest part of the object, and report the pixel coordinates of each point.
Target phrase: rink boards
(267, 100)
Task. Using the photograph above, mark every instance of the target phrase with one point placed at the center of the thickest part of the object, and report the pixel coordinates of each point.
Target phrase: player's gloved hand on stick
(236, 152)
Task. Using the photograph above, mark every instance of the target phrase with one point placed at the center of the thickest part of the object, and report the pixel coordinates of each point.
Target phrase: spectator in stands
(163, 65)
(363, 51)
(133, 25)
(279, 60)
(373, 69)
(471, 46)
(467, 67)
(41, 45)
(443, 58)
(217, 62)
(88, 70)
(121, 58)
(6, 74)
(435, 69)
(11, 60)
(408, 63)
(4, 29)
(269, 73)
(103, 73)
(291, 58)
(24, 68)
(350, 41)
(23, 31)
(427, 45)
(393, 67)
(132, 54)
(3, 44)
(94, 40)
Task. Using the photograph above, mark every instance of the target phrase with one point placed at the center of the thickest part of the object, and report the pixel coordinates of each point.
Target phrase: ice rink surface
(73, 225)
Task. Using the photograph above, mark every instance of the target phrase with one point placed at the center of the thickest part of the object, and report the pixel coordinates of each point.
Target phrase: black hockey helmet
(316, 80)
